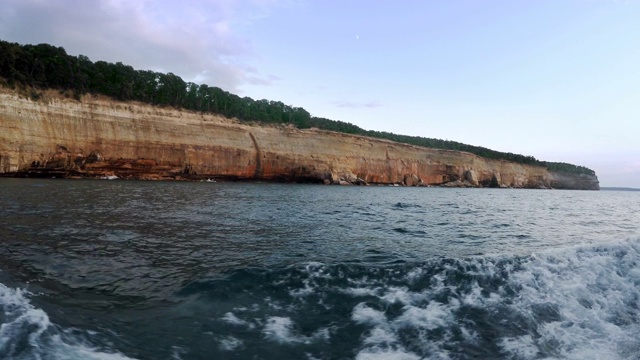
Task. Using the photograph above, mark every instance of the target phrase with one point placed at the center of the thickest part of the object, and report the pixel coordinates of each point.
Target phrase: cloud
(358, 105)
(197, 40)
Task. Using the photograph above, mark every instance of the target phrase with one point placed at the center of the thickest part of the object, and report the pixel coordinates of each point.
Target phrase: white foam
(362, 291)
(522, 347)
(273, 304)
(307, 290)
(177, 350)
(574, 303)
(230, 343)
(23, 319)
(322, 334)
(66, 351)
(415, 274)
(397, 294)
(314, 272)
(311, 357)
(281, 330)
(433, 316)
(363, 314)
(596, 294)
(376, 354)
(381, 336)
(232, 319)
(381, 342)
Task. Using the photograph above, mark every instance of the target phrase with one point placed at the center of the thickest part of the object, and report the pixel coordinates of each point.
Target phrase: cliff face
(101, 137)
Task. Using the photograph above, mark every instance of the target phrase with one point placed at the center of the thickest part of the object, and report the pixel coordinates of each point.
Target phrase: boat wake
(577, 303)
(574, 303)
(27, 333)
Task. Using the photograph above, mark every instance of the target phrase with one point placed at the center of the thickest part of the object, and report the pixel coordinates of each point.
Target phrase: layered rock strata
(99, 137)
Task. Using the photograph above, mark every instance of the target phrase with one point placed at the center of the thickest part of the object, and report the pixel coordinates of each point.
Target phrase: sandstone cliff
(102, 137)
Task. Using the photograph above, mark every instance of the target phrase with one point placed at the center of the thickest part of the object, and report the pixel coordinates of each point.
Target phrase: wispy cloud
(197, 40)
(351, 104)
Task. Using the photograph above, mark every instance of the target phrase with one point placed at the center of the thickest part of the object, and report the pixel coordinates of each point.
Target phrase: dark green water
(169, 270)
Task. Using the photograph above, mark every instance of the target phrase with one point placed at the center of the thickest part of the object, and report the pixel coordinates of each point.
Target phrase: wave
(401, 205)
(574, 303)
(580, 302)
(27, 333)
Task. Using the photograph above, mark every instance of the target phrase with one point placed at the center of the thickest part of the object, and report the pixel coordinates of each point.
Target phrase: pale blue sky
(559, 80)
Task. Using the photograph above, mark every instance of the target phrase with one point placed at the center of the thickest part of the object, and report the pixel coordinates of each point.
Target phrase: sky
(555, 79)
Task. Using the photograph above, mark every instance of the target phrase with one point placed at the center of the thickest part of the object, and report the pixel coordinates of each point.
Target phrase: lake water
(95, 269)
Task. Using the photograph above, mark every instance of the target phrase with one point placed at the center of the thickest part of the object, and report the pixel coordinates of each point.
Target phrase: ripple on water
(157, 269)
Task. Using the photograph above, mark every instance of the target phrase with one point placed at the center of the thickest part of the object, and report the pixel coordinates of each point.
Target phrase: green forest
(44, 66)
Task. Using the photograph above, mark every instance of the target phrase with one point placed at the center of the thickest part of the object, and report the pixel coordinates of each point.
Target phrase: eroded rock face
(411, 180)
(101, 137)
(471, 177)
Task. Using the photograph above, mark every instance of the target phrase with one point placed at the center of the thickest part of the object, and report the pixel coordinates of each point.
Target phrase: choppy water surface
(168, 270)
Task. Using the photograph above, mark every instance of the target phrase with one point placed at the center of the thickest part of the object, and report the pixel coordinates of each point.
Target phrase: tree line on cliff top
(45, 66)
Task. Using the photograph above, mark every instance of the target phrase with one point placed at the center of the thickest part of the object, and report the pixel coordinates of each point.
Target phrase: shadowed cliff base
(98, 137)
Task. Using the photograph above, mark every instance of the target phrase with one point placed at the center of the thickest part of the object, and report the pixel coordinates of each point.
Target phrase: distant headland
(63, 115)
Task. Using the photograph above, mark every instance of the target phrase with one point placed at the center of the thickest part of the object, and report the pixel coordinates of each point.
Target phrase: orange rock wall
(98, 137)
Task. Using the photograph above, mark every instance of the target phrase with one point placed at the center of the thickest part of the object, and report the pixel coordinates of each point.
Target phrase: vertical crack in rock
(390, 177)
(258, 173)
